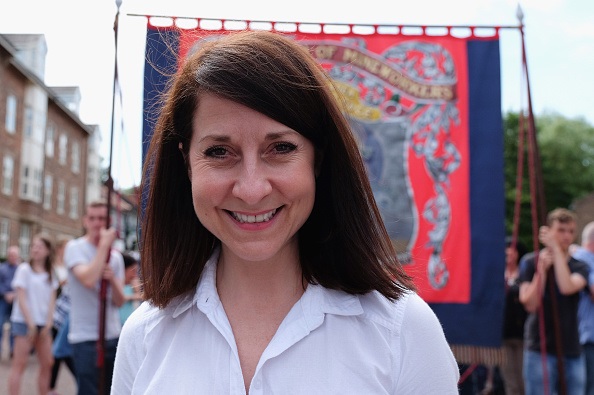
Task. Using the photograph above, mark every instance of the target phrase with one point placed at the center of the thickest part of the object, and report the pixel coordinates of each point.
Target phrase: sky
(559, 38)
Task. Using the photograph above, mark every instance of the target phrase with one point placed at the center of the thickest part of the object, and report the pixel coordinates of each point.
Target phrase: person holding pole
(557, 308)
(87, 261)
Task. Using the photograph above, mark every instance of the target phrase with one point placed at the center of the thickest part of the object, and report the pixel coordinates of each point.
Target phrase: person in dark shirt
(568, 276)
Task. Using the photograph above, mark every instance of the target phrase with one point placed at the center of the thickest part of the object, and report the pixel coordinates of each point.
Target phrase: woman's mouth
(253, 219)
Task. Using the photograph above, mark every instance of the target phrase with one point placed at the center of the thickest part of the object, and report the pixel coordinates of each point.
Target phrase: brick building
(46, 152)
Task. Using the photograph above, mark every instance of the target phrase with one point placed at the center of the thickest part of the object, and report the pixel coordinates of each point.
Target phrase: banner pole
(109, 182)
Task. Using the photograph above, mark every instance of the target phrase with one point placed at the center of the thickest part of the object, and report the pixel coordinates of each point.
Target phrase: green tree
(566, 148)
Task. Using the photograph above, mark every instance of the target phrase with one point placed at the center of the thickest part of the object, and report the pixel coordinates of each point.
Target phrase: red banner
(419, 105)
(404, 96)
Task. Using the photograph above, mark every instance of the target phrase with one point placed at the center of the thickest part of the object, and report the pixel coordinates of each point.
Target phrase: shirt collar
(206, 296)
(315, 301)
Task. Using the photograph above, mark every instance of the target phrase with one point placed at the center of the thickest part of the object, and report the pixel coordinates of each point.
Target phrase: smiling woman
(269, 268)
(253, 181)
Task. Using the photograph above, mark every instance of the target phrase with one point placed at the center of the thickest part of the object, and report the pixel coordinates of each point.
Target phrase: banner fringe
(472, 31)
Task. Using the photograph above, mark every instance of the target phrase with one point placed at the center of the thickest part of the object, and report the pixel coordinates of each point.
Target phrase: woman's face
(511, 255)
(253, 181)
(39, 251)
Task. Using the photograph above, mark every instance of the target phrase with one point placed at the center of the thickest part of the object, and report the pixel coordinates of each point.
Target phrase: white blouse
(329, 343)
(38, 290)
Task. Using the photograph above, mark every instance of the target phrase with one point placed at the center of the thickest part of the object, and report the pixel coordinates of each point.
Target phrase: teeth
(254, 218)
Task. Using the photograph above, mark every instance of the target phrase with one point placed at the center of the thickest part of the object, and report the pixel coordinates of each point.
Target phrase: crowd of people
(51, 303)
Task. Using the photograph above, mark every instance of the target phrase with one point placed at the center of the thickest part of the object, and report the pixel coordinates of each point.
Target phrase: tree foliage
(566, 150)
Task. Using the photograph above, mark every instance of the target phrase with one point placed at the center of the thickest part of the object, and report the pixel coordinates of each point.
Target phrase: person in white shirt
(32, 315)
(91, 259)
(266, 265)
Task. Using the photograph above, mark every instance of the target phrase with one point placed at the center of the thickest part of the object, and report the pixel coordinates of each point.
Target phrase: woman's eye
(215, 151)
(284, 147)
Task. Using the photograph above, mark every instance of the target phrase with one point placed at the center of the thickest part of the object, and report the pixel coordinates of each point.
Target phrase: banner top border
(363, 29)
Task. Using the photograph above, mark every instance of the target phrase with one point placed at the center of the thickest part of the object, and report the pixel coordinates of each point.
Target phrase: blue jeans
(5, 310)
(575, 374)
(21, 329)
(84, 355)
(588, 350)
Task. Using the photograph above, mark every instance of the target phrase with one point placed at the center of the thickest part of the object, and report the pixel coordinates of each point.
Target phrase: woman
(265, 262)
(32, 315)
(514, 318)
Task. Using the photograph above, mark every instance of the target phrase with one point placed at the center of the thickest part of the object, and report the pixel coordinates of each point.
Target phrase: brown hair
(342, 245)
(47, 265)
(95, 204)
(561, 215)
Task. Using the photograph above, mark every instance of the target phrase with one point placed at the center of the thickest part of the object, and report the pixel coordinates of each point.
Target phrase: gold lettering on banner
(384, 71)
(325, 51)
(350, 97)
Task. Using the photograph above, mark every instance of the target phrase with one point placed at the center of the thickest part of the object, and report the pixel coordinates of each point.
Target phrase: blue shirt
(6, 275)
(586, 305)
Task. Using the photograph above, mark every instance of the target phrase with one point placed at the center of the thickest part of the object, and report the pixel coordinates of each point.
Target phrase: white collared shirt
(329, 343)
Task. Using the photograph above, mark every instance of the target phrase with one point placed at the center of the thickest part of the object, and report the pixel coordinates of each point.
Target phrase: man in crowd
(87, 261)
(569, 276)
(7, 294)
(585, 253)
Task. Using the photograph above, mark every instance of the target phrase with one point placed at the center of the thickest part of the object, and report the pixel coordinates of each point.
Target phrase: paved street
(66, 384)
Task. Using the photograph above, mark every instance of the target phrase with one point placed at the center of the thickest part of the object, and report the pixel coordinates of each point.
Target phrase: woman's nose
(252, 183)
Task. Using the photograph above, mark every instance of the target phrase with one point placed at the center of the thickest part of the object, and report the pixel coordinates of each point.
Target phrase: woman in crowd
(32, 315)
(265, 261)
(514, 319)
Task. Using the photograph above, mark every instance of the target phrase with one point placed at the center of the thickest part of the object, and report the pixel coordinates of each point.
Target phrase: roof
(7, 46)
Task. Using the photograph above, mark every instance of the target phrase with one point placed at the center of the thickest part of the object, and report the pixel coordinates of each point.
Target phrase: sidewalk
(66, 384)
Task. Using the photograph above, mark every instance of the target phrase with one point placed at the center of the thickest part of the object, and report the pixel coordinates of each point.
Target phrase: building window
(63, 147)
(28, 127)
(74, 202)
(37, 182)
(50, 135)
(25, 182)
(7, 174)
(25, 240)
(75, 157)
(60, 198)
(4, 235)
(31, 180)
(11, 114)
(47, 191)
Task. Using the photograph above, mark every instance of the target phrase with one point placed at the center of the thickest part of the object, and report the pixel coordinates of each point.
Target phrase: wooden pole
(109, 183)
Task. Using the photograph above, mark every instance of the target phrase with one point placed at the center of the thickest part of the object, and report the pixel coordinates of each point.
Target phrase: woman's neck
(266, 281)
(38, 266)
